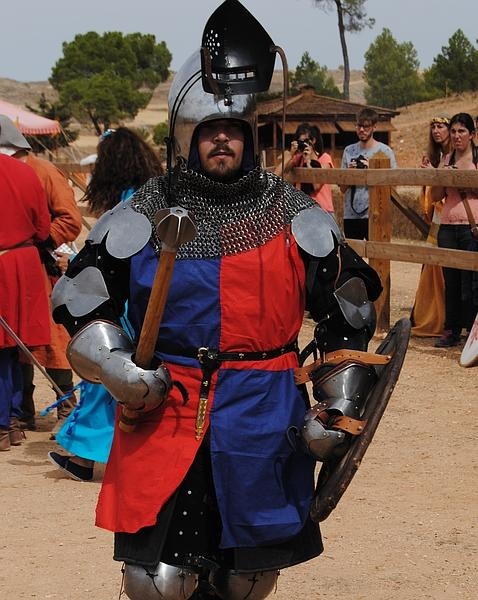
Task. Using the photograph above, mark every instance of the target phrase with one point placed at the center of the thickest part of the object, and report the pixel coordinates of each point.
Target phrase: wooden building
(335, 118)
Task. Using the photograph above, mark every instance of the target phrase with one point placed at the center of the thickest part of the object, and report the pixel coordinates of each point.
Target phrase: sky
(32, 31)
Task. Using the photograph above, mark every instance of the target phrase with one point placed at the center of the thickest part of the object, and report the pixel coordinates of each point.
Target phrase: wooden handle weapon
(175, 227)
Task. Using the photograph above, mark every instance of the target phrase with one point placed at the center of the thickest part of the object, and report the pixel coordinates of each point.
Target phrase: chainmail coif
(230, 217)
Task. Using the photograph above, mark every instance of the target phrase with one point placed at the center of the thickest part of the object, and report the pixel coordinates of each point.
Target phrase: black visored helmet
(229, 65)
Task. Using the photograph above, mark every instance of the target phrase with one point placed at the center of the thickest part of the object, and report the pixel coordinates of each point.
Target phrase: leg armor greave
(341, 391)
(165, 582)
(230, 585)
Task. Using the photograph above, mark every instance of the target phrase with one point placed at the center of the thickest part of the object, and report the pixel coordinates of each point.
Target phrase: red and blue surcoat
(248, 301)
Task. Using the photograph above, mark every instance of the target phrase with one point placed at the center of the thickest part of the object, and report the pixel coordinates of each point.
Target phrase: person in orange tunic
(23, 302)
(65, 225)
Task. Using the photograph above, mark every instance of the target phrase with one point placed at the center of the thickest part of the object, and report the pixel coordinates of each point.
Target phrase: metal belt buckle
(202, 354)
(207, 358)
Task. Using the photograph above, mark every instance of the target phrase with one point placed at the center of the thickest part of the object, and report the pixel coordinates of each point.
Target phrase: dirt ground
(404, 530)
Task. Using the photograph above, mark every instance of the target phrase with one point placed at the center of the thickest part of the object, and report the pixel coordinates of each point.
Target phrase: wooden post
(380, 230)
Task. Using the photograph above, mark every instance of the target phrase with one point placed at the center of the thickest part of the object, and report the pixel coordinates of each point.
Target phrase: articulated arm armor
(89, 301)
(341, 289)
(102, 353)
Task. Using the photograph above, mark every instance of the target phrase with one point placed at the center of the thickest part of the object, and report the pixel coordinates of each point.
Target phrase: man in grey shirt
(357, 156)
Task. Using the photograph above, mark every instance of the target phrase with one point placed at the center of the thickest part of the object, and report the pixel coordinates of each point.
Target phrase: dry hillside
(409, 140)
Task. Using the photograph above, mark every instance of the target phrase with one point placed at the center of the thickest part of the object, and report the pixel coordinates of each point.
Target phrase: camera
(302, 145)
(360, 162)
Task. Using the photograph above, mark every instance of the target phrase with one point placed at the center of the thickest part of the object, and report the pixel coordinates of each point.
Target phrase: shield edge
(329, 492)
(469, 354)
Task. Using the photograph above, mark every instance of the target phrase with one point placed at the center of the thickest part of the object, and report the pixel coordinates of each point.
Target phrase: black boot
(27, 406)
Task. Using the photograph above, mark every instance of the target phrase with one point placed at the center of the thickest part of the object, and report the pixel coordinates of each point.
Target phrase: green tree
(456, 68)
(309, 72)
(351, 17)
(106, 78)
(160, 132)
(391, 72)
(57, 112)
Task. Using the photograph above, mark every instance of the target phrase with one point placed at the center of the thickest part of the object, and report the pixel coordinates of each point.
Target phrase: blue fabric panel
(266, 486)
(192, 314)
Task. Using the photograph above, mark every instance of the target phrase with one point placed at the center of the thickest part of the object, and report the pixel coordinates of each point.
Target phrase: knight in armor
(209, 494)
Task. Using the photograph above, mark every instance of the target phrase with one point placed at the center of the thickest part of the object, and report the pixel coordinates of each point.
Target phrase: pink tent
(27, 122)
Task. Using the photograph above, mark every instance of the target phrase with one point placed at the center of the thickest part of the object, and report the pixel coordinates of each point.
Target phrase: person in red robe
(23, 302)
(65, 226)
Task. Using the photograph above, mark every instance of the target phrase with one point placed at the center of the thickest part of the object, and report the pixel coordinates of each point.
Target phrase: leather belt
(210, 361)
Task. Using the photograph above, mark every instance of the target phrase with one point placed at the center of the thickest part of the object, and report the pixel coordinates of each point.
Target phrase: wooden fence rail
(379, 249)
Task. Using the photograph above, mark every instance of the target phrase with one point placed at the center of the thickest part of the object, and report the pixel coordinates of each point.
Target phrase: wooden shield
(469, 354)
(335, 476)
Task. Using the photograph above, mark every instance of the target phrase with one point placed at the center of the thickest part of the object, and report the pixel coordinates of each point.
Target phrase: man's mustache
(221, 149)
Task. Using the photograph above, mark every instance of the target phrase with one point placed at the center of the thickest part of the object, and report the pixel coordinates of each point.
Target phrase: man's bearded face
(220, 148)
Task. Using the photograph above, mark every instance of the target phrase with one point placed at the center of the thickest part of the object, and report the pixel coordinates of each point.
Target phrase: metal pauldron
(128, 230)
(316, 231)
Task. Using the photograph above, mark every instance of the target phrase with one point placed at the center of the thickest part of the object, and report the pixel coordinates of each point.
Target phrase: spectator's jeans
(460, 310)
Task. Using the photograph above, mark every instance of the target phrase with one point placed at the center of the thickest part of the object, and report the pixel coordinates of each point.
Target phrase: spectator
(357, 156)
(428, 312)
(124, 163)
(458, 230)
(307, 150)
(23, 302)
(65, 225)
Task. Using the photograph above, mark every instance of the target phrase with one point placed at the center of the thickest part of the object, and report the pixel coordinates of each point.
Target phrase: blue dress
(88, 430)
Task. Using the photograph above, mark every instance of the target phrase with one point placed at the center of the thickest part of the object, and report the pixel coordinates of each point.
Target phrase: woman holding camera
(307, 150)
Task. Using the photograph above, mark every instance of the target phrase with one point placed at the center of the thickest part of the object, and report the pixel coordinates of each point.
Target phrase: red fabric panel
(25, 220)
(146, 466)
(23, 301)
(262, 303)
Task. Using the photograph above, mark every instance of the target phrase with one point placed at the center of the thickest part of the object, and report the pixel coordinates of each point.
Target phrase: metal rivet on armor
(181, 532)
(185, 512)
(189, 492)
(241, 355)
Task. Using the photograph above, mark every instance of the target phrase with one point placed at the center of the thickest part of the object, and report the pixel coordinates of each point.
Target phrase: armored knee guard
(165, 582)
(229, 585)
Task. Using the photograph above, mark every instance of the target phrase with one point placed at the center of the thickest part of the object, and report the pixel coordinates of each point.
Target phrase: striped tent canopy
(27, 122)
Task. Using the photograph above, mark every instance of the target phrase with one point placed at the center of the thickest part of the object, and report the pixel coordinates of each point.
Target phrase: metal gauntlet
(101, 352)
